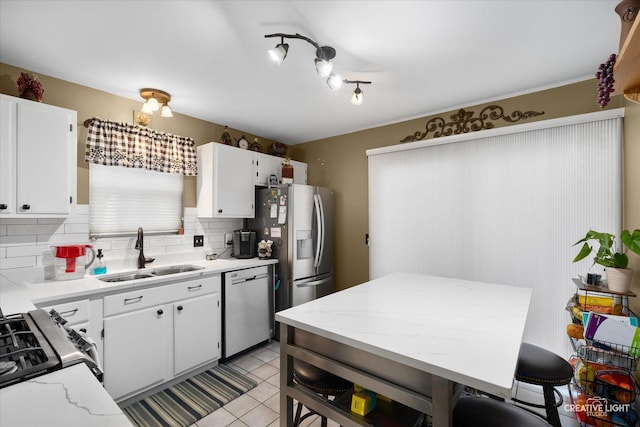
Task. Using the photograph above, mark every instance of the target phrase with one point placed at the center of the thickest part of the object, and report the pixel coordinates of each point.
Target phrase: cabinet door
(7, 156)
(196, 332)
(233, 182)
(266, 166)
(43, 158)
(136, 349)
(299, 172)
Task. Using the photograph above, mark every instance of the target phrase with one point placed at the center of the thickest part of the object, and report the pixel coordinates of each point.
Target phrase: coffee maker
(244, 244)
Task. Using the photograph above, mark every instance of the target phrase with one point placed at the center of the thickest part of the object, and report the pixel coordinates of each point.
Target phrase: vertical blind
(500, 207)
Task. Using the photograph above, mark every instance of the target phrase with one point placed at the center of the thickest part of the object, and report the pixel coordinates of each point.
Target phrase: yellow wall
(90, 103)
(341, 164)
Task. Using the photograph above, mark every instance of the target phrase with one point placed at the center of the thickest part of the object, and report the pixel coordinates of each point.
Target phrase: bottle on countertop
(101, 265)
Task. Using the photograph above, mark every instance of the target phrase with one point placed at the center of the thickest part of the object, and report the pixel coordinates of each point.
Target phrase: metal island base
(419, 391)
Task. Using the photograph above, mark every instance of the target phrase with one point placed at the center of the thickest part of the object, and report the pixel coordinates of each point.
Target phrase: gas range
(36, 343)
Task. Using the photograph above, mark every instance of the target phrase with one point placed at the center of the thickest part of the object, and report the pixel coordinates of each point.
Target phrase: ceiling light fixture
(356, 97)
(324, 54)
(323, 64)
(155, 99)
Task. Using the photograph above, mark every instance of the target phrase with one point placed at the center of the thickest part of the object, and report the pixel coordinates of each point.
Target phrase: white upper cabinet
(227, 177)
(266, 166)
(225, 181)
(299, 172)
(37, 159)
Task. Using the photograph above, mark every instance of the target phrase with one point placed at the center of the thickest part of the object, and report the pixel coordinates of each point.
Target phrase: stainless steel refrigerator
(299, 221)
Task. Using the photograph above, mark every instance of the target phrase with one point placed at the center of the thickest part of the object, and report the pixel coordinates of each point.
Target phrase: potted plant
(615, 262)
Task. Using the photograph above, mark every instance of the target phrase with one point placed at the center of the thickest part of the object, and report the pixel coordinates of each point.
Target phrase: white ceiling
(423, 57)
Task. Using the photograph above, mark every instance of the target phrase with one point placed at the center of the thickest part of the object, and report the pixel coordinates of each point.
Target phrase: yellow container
(362, 402)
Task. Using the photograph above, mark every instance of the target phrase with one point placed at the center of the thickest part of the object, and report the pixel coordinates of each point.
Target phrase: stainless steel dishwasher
(248, 309)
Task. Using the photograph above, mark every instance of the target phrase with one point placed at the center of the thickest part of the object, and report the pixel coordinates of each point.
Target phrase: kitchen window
(136, 178)
(123, 199)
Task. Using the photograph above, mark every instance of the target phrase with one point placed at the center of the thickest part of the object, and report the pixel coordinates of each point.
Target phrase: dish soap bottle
(101, 264)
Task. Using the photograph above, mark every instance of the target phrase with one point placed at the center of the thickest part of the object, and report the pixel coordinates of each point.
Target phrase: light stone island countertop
(72, 396)
(465, 331)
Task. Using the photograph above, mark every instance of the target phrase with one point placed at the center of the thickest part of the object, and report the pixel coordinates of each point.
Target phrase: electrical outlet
(198, 240)
(228, 239)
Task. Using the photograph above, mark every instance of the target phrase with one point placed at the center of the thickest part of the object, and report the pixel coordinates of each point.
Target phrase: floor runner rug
(189, 400)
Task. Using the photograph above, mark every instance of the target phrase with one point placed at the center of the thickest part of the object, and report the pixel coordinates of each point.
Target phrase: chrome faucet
(140, 246)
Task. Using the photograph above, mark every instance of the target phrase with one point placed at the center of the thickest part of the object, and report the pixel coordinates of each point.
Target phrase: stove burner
(24, 352)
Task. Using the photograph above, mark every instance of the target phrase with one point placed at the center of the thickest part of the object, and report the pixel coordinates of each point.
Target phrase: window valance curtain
(122, 144)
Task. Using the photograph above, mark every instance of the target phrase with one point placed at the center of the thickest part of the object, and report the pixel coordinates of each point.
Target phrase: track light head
(356, 98)
(279, 52)
(323, 67)
(334, 81)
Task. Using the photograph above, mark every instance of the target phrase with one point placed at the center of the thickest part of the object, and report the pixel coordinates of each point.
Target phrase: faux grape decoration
(605, 80)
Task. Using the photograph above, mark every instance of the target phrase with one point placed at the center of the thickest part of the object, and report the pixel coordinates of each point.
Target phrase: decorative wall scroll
(464, 122)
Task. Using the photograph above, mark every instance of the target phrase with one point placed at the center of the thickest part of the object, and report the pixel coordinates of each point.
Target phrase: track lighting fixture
(155, 99)
(324, 66)
(324, 54)
(356, 97)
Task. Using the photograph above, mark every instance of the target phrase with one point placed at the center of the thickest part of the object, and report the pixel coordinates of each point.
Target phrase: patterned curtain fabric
(122, 144)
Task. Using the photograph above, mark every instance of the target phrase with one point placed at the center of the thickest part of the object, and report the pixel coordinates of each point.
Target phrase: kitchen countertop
(68, 397)
(465, 331)
(20, 293)
(72, 396)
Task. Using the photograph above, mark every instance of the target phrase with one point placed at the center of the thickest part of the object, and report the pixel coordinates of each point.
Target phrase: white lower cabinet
(135, 348)
(193, 342)
(155, 334)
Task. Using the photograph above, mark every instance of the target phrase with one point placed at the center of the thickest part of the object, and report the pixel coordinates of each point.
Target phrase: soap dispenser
(101, 265)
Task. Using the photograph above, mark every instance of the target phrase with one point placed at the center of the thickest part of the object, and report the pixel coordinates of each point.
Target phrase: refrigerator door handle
(323, 229)
(315, 282)
(319, 226)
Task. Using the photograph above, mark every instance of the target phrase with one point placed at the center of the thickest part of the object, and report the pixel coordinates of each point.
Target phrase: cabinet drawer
(74, 312)
(137, 300)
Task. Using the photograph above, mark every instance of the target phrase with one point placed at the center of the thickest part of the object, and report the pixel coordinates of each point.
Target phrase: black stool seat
(486, 412)
(319, 381)
(542, 367)
(539, 366)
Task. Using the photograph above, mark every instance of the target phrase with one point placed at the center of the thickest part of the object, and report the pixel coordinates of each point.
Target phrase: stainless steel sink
(124, 277)
(156, 272)
(163, 271)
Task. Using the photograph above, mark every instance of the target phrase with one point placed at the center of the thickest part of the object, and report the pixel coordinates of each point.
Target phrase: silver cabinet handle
(133, 300)
(194, 288)
(69, 313)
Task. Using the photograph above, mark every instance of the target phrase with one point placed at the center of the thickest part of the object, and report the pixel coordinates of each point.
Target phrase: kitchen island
(413, 338)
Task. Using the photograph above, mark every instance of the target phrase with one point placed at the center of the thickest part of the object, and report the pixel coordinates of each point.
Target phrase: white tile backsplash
(23, 241)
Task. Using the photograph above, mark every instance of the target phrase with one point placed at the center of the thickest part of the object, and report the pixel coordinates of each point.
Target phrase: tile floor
(260, 406)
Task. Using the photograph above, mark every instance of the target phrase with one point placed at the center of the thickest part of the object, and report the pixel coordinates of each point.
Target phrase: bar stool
(487, 412)
(319, 381)
(541, 367)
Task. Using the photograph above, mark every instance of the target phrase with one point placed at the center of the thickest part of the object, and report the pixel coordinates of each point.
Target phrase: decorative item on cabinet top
(278, 149)
(29, 87)
(256, 146)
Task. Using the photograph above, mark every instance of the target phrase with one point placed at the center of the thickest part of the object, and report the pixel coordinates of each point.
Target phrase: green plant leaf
(584, 252)
(631, 240)
(621, 260)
